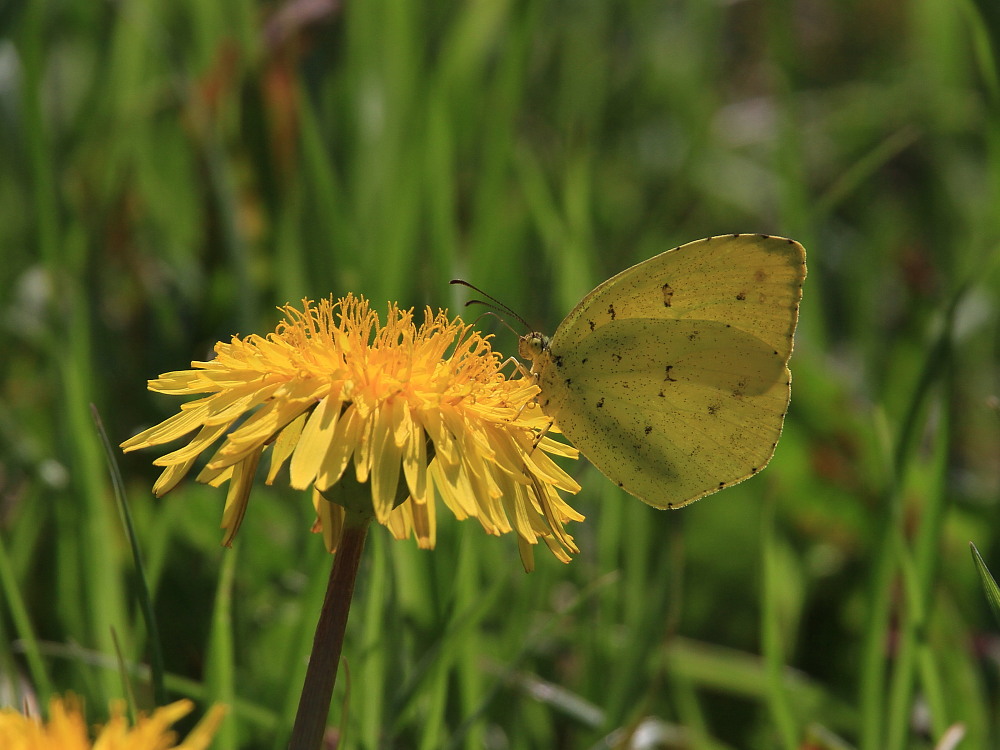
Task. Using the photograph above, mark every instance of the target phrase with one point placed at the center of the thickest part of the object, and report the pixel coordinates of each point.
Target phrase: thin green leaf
(990, 587)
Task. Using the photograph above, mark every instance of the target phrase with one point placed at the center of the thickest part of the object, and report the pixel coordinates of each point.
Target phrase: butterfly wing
(752, 282)
(672, 376)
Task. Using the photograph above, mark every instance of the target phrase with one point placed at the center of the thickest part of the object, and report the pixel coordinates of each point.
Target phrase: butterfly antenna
(500, 306)
(498, 317)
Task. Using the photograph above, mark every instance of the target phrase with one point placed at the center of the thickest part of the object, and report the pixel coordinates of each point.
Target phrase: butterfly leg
(541, 434)
(524, 371)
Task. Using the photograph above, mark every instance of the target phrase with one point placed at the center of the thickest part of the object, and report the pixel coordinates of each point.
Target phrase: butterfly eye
(532, 345)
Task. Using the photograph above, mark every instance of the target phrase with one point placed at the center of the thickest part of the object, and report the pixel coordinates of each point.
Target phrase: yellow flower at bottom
(418, 414)
(67, 729)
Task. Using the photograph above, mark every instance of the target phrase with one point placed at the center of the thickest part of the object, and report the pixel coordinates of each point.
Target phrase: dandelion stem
(321, 674)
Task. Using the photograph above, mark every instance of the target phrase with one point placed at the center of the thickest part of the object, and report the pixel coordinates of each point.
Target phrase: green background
(171, 171)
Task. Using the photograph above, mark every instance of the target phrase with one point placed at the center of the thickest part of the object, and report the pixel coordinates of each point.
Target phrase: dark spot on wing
(592, 324)
(616, 356)
(713, 409)
(667, 376)
(568, 381)
(648, 429)
(668, 294)
(583, 361)
(694, 335)
(611, 311)
(558, 360)
(600, 404)
(741, 296)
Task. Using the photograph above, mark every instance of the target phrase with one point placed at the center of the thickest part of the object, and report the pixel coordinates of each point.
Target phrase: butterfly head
(533, 345)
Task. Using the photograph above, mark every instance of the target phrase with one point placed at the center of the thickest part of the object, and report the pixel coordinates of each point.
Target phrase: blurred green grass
(171, 172)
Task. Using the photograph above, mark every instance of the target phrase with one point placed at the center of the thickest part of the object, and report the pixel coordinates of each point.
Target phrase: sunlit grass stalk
(771, 635)
(433, 704)
(221, 660)
(467, 651)
(142, 594)
(223, 184)
(451, 650)
(873, 665)
(918, 569)
(795, 208)
(332, 226)
(900, 697)
(932, 681)
(99, 562)
(988, 68)
(321, 674)
(14, 604)
(871, 676)
(45, 230)
(36, 135)
(538, 633)
(889, 547)
(863, 168)
(689, 709)
(990, 588)
(371, 677)
(64, 252)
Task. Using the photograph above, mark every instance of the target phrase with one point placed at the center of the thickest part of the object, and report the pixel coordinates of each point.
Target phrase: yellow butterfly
(672, 377)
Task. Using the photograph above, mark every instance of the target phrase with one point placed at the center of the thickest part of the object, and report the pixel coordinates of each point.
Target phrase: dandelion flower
(418, 414)
(67, 729)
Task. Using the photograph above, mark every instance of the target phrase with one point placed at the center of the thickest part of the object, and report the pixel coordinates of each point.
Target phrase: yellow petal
(415, 458)
(453, 484)
(284, 445)
(258, 430)
(170, 476)
(444, 441)
(314, 442)
(239, 495)
(201, 736)
(385, 461)
(341, 448)
(172, 428)
(363, 443)
(205, 437)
